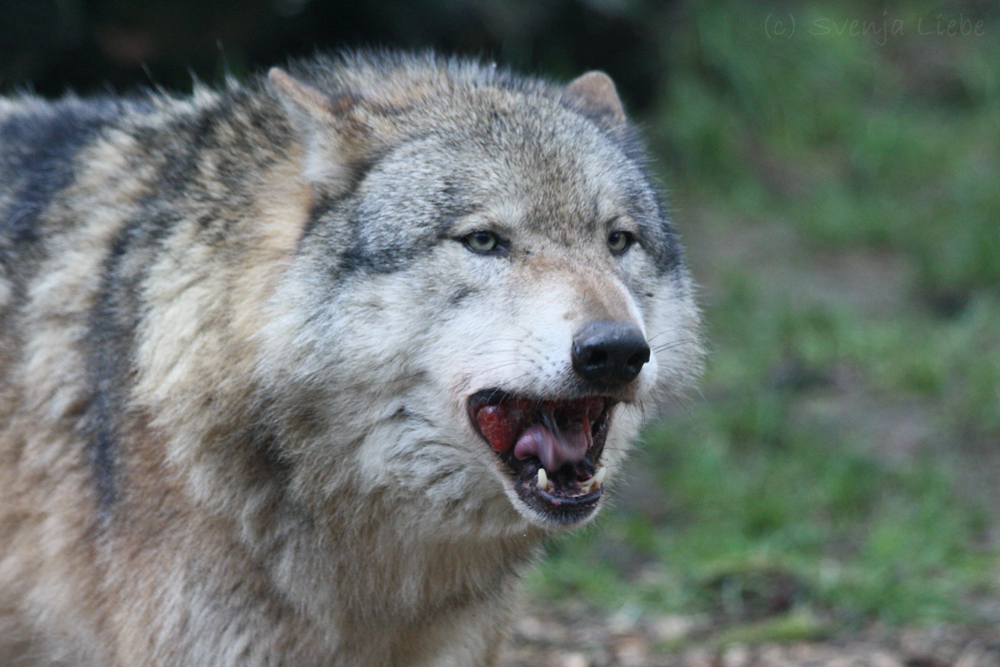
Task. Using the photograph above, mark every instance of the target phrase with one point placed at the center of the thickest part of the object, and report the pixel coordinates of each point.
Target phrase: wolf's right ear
(332, 132)
(595, 95)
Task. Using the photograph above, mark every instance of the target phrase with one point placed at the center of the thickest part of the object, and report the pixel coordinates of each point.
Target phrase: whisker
(673, 344)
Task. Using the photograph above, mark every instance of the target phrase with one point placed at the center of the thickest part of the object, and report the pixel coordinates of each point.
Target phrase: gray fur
(239, 333)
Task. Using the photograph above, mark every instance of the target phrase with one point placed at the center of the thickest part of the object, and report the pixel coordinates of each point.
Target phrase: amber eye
(482, 242)
(619, 242)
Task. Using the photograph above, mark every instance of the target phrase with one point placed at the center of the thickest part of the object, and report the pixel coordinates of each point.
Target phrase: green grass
(842, 203)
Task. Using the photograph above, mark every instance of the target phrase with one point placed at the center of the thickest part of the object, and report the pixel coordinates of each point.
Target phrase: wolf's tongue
(504, 427)
(554, 450)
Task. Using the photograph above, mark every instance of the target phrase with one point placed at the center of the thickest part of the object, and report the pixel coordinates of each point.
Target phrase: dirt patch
(576, 636)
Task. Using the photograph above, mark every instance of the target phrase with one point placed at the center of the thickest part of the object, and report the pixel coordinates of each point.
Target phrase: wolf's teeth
(543, 480)
(594, 482)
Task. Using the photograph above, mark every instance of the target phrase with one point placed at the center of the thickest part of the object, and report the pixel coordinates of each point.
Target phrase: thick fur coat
(302, 372)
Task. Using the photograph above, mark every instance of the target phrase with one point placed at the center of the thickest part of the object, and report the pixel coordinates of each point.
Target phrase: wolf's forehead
(568, 191)
(549, 165)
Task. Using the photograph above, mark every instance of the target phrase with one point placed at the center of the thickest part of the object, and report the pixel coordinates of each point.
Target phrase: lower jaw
(560, 509)
(563, 515)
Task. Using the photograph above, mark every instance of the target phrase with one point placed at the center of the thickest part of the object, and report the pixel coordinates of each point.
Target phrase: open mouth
(552, 448)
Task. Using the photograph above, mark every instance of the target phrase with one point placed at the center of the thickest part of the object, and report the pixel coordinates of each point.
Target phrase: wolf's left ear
(331, 129)
(595, 95)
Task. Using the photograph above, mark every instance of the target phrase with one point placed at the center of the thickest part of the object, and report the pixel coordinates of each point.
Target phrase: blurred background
(832, 492)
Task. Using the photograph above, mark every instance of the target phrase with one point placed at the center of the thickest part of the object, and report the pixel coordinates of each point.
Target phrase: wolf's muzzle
(609, 354)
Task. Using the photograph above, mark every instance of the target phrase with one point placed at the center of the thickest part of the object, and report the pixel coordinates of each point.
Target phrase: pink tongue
(502, 423)
(554, 450)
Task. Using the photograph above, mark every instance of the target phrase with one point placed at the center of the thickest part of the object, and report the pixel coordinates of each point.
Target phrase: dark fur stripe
(113, 324)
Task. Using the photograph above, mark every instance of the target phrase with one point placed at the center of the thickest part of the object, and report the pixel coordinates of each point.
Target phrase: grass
(840, 200)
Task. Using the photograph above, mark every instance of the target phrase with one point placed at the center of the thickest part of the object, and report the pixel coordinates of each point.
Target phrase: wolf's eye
(483, 243)
(619, 242)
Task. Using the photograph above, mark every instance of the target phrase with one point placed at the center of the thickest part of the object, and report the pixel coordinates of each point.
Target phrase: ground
(584, 638)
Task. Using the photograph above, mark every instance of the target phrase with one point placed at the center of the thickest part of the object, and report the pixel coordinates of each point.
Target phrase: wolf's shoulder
(45, 145)
(38, 141)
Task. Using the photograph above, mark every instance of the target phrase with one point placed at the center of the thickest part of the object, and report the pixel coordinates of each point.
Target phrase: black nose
(609, 353)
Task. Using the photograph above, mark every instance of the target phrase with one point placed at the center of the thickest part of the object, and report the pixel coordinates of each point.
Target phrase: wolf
(305, 371)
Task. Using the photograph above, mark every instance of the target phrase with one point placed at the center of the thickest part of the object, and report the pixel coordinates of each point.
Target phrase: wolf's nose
(609, 353)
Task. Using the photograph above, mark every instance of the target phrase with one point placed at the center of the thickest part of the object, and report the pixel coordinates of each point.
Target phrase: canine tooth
(592, 482)
(598, 479)
(543, 480)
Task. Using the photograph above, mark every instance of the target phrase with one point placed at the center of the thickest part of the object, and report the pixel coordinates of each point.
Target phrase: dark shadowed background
(90, 45)
(834, 169)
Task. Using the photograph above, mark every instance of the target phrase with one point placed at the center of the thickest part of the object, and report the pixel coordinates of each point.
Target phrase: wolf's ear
(594, 94)
(332, 132)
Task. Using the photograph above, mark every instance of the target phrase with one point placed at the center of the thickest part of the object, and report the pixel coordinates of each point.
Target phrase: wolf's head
(488, 297)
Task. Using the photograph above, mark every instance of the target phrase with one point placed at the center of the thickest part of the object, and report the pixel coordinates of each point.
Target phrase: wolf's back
(39, 145)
